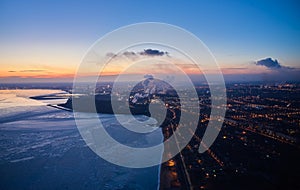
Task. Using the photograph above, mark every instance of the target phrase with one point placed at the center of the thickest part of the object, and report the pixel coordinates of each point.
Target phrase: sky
(46, 40)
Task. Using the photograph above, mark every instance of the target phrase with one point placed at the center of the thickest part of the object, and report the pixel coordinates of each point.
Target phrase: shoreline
(164, 175)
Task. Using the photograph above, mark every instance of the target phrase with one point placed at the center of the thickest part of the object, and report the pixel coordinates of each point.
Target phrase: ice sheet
(41, 148)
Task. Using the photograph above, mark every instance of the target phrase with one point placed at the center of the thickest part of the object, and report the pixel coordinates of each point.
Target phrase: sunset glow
(33, 46)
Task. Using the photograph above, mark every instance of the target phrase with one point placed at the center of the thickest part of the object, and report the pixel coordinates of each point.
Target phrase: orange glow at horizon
(35, 73)
(118, 66)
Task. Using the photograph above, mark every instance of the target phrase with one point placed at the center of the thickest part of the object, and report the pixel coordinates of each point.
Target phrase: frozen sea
(41, 148)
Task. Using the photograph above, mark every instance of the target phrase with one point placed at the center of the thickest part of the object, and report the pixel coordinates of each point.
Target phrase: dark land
(257, 148)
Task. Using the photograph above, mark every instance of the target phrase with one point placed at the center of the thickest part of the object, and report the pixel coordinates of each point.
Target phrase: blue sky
(237, 32)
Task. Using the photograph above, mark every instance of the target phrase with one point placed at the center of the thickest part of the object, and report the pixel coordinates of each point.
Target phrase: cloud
(278, 72)
(134, 55)
(153, 52)
(112, 55)
(269, 63)
(129, 53)
(28, 71)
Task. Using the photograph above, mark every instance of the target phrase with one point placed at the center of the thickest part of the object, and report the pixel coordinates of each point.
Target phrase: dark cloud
(269, 63)
(12, 71)
(279, 71)
(153, 52)
(133, 55)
